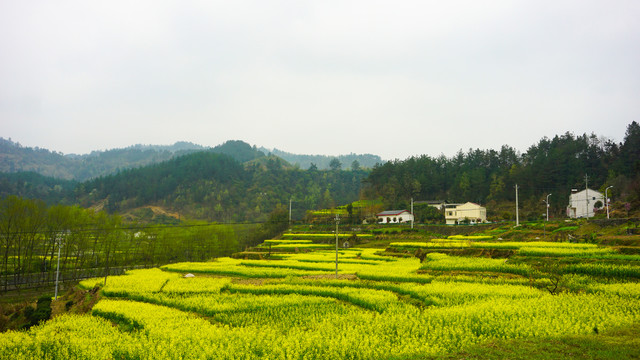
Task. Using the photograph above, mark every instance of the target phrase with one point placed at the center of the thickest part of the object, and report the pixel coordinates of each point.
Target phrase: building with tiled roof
(394, 217)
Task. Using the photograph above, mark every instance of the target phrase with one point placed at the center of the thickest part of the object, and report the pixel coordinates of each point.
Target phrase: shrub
(42, 311)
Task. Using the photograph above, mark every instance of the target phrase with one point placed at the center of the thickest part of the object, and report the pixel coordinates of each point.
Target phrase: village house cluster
(582, 204)
(467, 213)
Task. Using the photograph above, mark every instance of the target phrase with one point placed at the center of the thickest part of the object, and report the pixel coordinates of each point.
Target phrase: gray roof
(430, 202)
(391, 212)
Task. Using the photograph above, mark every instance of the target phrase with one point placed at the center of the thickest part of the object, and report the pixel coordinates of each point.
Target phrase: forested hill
(16, 158)
(324, 162)
(552, 166)
(216, 187)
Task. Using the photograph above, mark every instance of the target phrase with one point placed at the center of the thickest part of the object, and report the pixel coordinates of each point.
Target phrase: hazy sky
(392, 78)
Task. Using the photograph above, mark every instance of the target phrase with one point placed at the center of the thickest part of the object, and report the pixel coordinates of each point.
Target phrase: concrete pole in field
(517, 215)
(337, 222)
(586, 192)
(59, 243)
(412, 216)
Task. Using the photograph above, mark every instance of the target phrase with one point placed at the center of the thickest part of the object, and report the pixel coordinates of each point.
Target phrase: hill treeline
(552, 166)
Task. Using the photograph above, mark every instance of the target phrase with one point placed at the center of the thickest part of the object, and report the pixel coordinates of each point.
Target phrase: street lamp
(547, 202)
(606, 199)
(290, 201)
(545, 224)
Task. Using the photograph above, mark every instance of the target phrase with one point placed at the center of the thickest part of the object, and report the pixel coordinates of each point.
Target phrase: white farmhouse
(394, 217)
(467, 212)
(583, 204)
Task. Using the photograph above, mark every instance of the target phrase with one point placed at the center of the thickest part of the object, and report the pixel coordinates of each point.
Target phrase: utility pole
(290, 200)
(59, 243)
(586, 192)
(337, 222)
(412, 216)
(517, 216)
(606, 199)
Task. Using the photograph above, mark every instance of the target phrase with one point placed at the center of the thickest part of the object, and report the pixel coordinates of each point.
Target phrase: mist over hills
(323, 162)
(16, 158)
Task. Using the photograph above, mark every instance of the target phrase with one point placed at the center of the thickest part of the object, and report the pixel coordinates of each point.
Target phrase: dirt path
(160, 211)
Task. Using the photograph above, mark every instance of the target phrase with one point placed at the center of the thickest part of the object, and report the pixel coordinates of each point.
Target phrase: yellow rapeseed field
(379, 307)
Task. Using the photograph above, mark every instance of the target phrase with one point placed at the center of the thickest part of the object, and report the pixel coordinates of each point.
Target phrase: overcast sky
(392, 78)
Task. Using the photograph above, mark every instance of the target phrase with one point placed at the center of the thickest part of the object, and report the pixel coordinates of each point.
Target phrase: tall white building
(459, 213)
(582, 204)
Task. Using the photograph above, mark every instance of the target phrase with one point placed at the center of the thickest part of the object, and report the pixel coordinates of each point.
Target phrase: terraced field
(378, 307)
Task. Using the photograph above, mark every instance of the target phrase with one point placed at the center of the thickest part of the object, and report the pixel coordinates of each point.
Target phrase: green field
(379, 307)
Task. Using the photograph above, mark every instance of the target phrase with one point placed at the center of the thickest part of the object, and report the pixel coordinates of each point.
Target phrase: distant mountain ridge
(323, 162)
(180, 146)
(16, 158)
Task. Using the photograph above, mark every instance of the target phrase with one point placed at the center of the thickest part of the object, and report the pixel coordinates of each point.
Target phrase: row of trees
(553, 166)
(30, 232)
(92, 242)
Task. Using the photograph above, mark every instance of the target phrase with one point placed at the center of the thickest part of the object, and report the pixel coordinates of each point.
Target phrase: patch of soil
(249, 281)
(75, 301)
(158, 210)
(332, 277)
